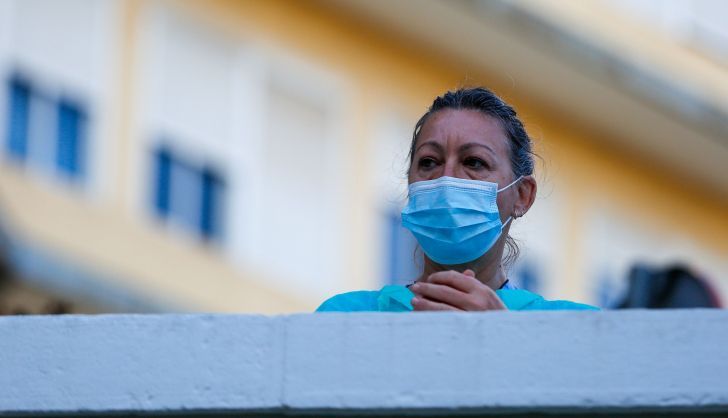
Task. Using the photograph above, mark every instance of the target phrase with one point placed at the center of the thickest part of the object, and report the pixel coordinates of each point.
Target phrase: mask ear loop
(510, 218)
(512, 183)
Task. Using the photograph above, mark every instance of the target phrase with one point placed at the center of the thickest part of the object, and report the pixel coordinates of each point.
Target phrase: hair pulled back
(519, 143)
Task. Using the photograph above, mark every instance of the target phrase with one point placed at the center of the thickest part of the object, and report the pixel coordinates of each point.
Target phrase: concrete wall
(439, 364)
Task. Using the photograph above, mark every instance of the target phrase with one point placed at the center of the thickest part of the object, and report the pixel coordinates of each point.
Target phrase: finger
(454, 279)
(469, 272)
(442, 293)
(423, 304)
(485, 299)
(497, 305)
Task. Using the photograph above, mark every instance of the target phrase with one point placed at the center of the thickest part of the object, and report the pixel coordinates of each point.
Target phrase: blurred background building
(250, 156)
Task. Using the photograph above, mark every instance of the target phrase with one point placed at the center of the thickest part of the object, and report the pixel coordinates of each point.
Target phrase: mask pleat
(454, 220)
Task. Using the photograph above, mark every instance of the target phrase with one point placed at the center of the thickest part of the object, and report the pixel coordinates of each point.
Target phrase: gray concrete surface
(333, 364)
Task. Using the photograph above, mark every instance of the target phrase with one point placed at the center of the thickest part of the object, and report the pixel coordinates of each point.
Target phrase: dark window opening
(402, 266)
(189, 195)
(19, 94)
(44, 131)
(70, 145)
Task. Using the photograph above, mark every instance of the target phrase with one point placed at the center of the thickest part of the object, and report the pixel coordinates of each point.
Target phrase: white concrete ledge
(450, 364)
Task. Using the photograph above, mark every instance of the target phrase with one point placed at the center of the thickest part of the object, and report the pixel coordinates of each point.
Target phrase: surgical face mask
(454, 220)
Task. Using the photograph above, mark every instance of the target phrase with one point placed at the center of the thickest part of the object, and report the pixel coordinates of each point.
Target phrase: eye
(475, 163)
(426, 163)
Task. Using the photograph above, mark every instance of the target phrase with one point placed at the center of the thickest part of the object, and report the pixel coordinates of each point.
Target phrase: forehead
(453, 127)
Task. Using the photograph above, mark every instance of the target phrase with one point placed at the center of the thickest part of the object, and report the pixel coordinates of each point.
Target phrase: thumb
(469, 272)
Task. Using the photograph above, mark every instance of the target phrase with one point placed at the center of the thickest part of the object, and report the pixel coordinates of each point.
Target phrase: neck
(488, 268)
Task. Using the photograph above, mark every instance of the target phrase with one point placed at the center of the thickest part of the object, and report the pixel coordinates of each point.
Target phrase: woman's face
(470, 145)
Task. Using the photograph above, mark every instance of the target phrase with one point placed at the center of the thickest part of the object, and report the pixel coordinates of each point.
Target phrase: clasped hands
(454, 291)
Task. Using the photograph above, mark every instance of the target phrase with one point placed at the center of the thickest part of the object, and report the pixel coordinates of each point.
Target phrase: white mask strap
(512, 183)
(510, 218)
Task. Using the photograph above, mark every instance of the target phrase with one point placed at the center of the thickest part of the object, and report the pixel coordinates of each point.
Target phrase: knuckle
(425, 289)
(475, 303)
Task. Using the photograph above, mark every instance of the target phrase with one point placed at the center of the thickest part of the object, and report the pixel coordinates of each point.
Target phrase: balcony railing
(622, 362)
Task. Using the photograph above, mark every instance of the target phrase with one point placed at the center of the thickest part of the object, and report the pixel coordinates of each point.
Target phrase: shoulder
(361, 300)
(391, 298)
(397, 298)
(561, 305)
(523, 300)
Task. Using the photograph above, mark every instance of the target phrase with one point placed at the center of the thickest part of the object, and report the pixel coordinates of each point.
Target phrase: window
(188, 195)
(18, 113)
(402, 266)
(57, 60)
(163, 172)
(395, 245)
(297, 199)
(70, 134)
(212, 196)
(45, 132)
(526, 274)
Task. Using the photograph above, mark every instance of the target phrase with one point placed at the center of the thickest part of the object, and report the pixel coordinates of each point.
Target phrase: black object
(672, 287)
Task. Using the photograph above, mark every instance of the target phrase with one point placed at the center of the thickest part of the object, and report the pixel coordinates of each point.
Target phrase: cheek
(505, 205)
(413, 175)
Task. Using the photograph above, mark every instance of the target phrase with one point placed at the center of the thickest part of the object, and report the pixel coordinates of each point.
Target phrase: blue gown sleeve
(523, 300)
(397, 299)
(359, 301)
(559, 305)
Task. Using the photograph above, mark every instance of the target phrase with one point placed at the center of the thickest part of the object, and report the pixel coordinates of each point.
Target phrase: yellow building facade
(242, 156)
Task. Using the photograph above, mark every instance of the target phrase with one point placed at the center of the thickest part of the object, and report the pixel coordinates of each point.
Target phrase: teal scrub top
(397, 299)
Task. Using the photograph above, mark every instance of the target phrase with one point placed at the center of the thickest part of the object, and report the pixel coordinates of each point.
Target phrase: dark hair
(484, 100)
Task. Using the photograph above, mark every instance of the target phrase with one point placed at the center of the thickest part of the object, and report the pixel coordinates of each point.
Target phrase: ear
(526, 195)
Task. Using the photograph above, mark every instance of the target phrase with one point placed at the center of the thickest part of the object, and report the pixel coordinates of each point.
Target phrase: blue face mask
(454, 220)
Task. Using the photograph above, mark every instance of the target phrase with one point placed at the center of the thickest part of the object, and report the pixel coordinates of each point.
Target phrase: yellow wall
(578, 158)
(385, 73)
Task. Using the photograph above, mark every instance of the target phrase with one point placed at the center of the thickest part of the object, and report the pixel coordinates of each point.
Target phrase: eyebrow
(462, 147)
(431, 143)
(476, 144)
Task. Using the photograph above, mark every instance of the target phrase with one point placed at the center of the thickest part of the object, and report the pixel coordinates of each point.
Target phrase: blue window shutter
(187, 195)
(162, 181)
(212, 197)
(19, 93)
(401, 266)
(527, 276)
(70, 147)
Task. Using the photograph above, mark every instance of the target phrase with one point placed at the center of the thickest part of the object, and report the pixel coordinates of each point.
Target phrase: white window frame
(285, 70)
(96, 96)
(151, 128)
(256, 66)
(389, 185)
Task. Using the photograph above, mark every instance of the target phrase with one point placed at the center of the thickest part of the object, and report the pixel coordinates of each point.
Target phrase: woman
(470, 177)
